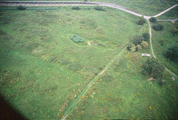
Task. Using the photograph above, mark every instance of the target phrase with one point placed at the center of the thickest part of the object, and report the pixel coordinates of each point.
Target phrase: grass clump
(20, 7)
(76, 8)
(77, 39)
(99, 8)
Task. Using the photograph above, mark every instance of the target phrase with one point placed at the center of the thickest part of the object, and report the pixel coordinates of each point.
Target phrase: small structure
(147, 55)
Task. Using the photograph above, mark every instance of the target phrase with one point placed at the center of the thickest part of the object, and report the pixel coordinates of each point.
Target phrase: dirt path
(75, 102)
(172, 20)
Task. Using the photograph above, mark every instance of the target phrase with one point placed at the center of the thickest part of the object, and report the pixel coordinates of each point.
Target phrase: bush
(161, 42)
(174, 31)
(153, 68)
(99, 8)
(172, 53)
(158, 27)
(141, 21)
(144, 44)
(77, 38)
(76, 8)
(129, 46)
(20, 7)
(146, 37)
(139, 47)
(137, 40)
(133, 48)
(153, 19)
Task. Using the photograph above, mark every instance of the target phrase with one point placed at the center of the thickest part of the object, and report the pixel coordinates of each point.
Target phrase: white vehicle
(147, 55)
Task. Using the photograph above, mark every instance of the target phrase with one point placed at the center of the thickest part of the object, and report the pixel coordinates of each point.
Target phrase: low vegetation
(153, 20)
(20, 7)
(172, 53)
(158, 27)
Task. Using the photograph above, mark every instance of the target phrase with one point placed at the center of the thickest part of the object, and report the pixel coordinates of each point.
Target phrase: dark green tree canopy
(153, 68)
(76, 8)
(158, 27)
(141, 21)
(146, 37)
(153, 19)
(20, 7)
(138, 40)
(172, 53)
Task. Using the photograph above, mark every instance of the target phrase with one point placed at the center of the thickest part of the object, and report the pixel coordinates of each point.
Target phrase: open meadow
(43, 71)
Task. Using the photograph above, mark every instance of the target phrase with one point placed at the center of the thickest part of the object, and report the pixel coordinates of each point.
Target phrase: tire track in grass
(75, 102)
(153, 51)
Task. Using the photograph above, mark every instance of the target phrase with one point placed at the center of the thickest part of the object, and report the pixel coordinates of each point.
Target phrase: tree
(76, 8)
(138, 39)
(20, 7)
(141, 21)
(139, 47)
(153, 68)
(133, 48)
(174, 31)
(158, 27)
(146, 37)
(172, 53)
(153, 19)
(99, 8)
(144, 44)
(129, 46)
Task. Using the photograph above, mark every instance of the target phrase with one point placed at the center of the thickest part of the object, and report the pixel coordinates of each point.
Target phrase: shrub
(146, 36)
(76, 8)
(133, 48)
(99, 8)
(139, 47)
(137, 40)
(174, 31)
(20, 7)
(158, 27)
(141, 21)
(144, 44)
(129, 46)
(77, 38)
(153, 68)
(153, 19)
(172, 53)
(161, 42)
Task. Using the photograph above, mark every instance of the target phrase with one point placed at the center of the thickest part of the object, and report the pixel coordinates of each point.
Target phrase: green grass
(172, 14)
(42, 69)
(123, 93)
(169, 39)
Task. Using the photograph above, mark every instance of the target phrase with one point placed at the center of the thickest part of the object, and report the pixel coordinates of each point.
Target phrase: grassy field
(42, 69)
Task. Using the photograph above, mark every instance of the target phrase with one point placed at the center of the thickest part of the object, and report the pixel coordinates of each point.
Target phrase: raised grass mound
(76, 39)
